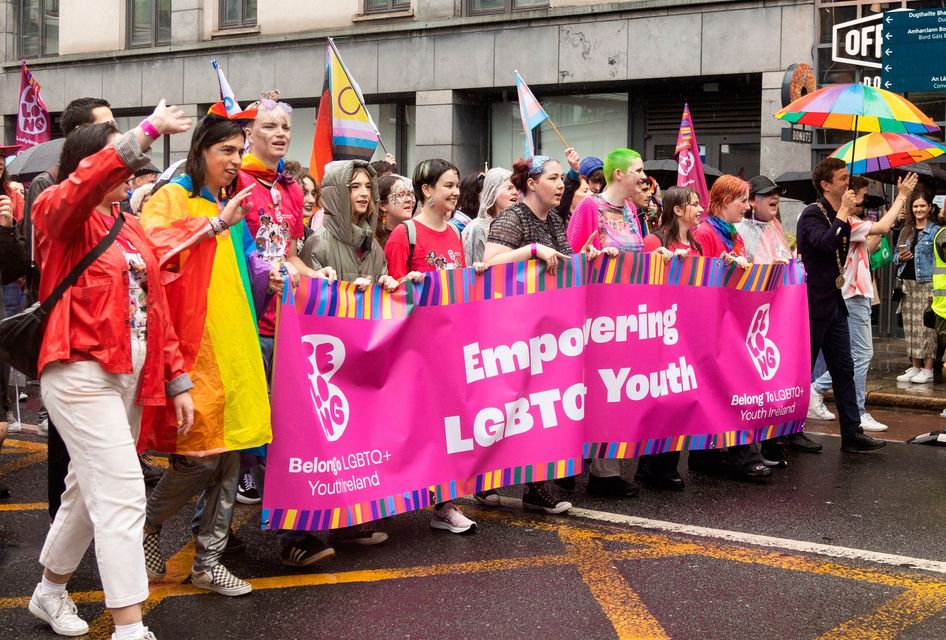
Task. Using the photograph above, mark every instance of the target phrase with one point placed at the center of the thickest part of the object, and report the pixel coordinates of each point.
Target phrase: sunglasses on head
(271, 105)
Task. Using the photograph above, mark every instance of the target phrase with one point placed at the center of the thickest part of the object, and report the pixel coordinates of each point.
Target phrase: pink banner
(32, 120)
(384, 403)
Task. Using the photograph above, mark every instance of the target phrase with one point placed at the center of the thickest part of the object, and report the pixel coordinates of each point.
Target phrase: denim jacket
(923, 253)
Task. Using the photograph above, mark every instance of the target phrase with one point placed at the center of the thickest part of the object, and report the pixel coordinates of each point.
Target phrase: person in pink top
(608, 219)
(858, 292)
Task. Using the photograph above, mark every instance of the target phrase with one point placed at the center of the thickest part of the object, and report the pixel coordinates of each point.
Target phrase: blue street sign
(914, 50)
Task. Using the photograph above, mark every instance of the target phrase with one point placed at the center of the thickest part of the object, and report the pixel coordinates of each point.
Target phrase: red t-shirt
(652, 243)
(712, 244)
(274, 216)
(433, 250)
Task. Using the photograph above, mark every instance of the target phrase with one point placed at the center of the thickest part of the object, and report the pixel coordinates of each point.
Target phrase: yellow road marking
(24, 506)
(26, 452)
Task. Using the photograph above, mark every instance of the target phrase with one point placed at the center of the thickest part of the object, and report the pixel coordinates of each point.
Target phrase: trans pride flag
(530, 111)
(226, 93)
(344, 130)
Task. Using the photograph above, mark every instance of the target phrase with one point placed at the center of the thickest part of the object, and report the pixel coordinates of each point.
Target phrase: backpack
(412, 239)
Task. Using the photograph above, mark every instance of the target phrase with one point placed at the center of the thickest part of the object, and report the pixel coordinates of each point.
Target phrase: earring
(430, 202)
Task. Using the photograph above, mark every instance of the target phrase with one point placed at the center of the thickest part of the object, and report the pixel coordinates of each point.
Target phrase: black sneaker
(361, 535)
(4, 492)
(567, 483)
(235, 544)
(801, 442)
(540, 499)
(247, 493)
(861, 443)
(305, 552)
(611, 487)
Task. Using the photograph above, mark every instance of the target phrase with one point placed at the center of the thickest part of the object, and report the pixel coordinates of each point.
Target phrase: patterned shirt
(517, 226)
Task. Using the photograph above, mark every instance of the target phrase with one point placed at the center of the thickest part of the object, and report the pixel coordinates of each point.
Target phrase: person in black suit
(823, 237)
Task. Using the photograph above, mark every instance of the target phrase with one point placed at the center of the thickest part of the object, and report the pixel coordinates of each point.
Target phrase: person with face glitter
(530, 229)
(395, 204)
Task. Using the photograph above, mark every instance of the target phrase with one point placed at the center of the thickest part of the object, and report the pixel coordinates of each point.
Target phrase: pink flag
(689, 164)
(32, 120)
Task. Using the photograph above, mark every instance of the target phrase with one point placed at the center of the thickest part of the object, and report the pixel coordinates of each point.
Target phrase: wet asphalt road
(526, 575)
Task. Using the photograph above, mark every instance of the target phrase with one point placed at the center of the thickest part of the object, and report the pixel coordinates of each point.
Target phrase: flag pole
(361, 98)
(557, 132)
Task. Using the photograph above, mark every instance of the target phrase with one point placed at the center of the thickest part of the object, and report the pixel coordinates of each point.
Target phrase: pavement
(836, 546)
(883, 390)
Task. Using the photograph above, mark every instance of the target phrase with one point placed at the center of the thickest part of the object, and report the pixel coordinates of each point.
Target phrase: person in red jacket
(109, 348)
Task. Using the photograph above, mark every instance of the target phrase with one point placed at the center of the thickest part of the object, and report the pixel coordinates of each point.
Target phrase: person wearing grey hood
(346, 241)
(498, 193)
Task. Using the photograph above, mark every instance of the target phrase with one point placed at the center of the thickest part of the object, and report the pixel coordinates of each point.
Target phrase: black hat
(147, 170)
(762, 185)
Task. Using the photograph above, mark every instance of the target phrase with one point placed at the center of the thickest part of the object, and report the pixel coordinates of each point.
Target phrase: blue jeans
(862, 348)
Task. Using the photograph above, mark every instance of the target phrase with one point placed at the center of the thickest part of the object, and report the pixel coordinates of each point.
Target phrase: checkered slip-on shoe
(154, 561)
(220, 580)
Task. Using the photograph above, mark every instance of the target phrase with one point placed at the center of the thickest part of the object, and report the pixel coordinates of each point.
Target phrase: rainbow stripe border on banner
(439, 288)
(623, 450)
(313, 520)
(342, 300)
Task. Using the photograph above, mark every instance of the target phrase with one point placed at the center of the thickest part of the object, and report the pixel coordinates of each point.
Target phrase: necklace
(839, 281)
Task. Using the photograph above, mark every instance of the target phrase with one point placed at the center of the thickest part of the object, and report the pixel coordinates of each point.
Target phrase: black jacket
(821, 243)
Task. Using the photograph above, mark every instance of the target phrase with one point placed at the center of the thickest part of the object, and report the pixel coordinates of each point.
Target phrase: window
(480, 7)
(594, 123)
(237, 13)
(382, 6)
(39, 28)
(149, 23)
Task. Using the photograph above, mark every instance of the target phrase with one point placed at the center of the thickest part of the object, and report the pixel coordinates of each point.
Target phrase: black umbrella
(665, 172)
(933, 177)
(36, 159)
(797, 186)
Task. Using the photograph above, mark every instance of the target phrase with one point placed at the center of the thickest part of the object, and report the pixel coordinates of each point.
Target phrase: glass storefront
(594, 124)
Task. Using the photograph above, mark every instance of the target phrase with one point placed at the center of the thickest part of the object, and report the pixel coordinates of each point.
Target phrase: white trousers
(96, 415)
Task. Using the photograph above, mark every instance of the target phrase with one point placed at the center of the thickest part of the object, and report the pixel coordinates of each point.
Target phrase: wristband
(149, 129)
(534, 249)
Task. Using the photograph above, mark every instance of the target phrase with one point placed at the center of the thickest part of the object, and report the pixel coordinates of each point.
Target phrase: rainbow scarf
(253, 166)
(726, 232)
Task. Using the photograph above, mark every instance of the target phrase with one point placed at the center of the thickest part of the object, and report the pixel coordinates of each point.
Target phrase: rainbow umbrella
(857, 107)
(880, 151)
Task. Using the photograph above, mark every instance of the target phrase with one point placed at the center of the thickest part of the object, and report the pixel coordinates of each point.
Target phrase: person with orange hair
(729, 200)
(717, 236)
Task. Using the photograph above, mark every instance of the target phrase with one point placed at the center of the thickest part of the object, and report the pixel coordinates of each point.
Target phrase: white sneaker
(925, 376)
(14, 425)
(59, 611)
(144, 635)
(869, 424)
(451, 519)
(43, 428)
(908, 375)
(816, 408)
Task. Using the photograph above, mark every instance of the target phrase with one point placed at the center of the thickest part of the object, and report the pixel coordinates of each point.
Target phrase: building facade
(439, 74)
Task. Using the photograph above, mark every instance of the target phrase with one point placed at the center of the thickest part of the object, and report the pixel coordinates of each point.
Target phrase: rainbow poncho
(210, 287)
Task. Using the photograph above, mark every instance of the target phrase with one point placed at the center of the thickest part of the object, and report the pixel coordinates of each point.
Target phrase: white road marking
(785, 544)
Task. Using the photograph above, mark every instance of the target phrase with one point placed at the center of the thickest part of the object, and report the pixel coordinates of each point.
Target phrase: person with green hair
(608, 221)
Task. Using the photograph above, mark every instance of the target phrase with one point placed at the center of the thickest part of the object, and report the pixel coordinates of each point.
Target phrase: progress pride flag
(384, 403)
